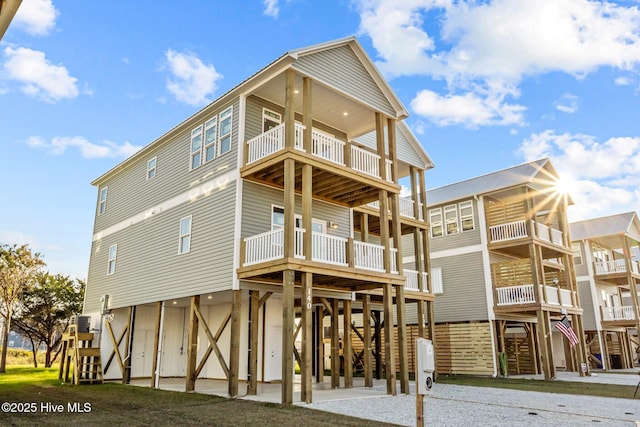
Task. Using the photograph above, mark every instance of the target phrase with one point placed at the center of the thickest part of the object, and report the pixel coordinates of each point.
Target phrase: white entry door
(142, 353)
(273, 354)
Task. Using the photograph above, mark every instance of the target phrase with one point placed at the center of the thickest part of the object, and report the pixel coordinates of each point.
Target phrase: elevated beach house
(501, 244)
(605, 253)
(222, 248)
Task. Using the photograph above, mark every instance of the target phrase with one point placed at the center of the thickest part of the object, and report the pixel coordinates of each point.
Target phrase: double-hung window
(451, 219)
(577, 254)
(111, 263)
(102, 204)
(210, 129)
(435, 220)
(151, 168)
(466, 215)
(196, 147)
(224, 140)
(184, 238)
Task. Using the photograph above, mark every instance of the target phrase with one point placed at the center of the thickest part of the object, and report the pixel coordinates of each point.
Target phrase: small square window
(102, 204)
(184, 238)
(111, 263)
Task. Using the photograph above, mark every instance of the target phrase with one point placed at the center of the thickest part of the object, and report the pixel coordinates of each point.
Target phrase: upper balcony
(336, 262)
(516, 235)
(343, 173)
(408, 219)
(616, 271)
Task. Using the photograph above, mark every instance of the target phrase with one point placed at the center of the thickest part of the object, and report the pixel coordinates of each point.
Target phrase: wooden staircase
(78, 353)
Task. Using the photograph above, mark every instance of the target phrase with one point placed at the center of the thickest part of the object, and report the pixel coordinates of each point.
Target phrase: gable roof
(8, 9)
(621, 224)
(272, 69)
(526, 173)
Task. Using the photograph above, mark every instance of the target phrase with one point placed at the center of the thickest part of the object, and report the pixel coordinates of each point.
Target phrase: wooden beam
(288, 320)
(307, 113)
(289, 109)
(254, 324)
(307, 337)
(289, 208)
(234, 351)
(128, 348)
(116, 349)
(264, 298)
(347, 348)
(389, 341)
(156, 344)
(380, 146)
(378, 338)
(366, 325)
(335, 345)
(402, 339)
(192, 344)
(320, 345)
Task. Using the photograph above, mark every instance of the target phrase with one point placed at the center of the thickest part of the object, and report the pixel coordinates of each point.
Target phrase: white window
(577, 254)
(224, 141)
(196, 147)
(435, 218)
(151, 168)
(466, 215)
(210, 130)
(451, 219)
(270, 119)
(102, 208)
(184, 240)
(111, 264)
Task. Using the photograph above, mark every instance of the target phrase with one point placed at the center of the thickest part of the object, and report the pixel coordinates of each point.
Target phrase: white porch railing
(618, 313)
(272, 141)
(394, 260)
(328, 147)
(406, 207)
(365, 161)
(329, 249)
(511, 295)
(551, 295)
(609, 267)
(268, 246)
(388, 170)
(368, 256)
(565, 298)
(508, 231)
(549, 234)
(436, 280)
(412, 283)
(634, 267)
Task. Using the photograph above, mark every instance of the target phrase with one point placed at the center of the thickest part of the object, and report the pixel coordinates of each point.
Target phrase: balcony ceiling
(329, 107)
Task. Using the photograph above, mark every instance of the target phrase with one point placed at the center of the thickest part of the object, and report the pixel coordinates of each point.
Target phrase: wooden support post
(128, 348)
(254, 324)
(430, 316)
(289, 207)
(307, 114)
(156, 344)
(335, 346)
(402, 339)
(320, 345)
(389, 341)
(583, 350)
(192, 344)
(307, 336)
(380, 146)
(289, 109)
(384, 229)
(288, 319)
(378, 353)
(234, 351)
(366, 325)
(347, 349)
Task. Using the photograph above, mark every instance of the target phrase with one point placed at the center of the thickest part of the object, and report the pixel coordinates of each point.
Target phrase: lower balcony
(518, 230)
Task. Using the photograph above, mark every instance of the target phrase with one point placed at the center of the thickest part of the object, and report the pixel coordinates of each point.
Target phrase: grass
(117, 404)
(563, 387)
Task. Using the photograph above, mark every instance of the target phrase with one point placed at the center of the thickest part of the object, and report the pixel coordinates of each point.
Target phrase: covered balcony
(617, 314)
(616, 271)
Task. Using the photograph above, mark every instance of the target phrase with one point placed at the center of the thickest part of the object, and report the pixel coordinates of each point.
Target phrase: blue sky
(489, 84)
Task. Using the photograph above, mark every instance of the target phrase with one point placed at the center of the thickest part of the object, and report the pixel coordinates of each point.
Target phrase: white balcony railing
(618, 313)
(565, 298)
(328, 147)
(365, 161)
(272, 141)
(511, 295)
(329, 249)
(394, 260)
(436, 280)
(549, 234)
(388, 170)
(412, 283)
(406, 207)
(611, 267)
(268, 246)
(508, 231)
(551, 295)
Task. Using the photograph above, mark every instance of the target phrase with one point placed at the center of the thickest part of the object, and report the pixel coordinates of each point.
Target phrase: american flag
(565, 327)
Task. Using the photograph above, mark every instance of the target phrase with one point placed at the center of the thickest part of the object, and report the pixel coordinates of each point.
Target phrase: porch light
(333, 225)
(175, 302)
(345, 114)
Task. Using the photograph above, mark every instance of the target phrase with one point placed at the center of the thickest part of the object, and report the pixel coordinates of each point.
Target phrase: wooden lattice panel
(512, 273)
(464, 348)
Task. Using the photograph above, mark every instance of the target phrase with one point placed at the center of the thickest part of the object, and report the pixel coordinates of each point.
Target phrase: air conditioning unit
(83, 322)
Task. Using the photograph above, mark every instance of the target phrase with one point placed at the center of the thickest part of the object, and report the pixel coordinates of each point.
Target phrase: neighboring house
(8, 9)
(238, 224)
(501, 243)
(608, 278)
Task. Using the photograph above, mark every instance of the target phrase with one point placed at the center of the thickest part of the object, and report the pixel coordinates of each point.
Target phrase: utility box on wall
(425, 366)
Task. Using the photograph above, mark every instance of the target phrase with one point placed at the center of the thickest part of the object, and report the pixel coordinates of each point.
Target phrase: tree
(45, 310)
(18, 268)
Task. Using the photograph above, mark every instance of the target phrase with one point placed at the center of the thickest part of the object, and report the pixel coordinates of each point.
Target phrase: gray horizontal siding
(581, 269)
(256, 211)
(586, 302)
(464, 297)
(341, 69)
(405, 151)
(461, 239)
(129, 192)
(148, 267)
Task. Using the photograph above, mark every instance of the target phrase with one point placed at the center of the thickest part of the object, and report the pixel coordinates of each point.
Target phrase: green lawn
(115, 404)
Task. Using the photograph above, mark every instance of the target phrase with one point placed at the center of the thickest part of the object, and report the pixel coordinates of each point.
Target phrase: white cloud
(271, 8)
(491, 46)
(623, 81)
(88, 150)
(568, 103)
(469, 109)
(603, 177)
(192, 81)
(39, 78)
(36, 17)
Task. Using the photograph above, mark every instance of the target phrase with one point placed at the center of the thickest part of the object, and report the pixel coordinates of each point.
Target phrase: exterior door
(273, 354)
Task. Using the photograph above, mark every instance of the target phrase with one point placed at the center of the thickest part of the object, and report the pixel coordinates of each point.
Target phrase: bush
(18, 356)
